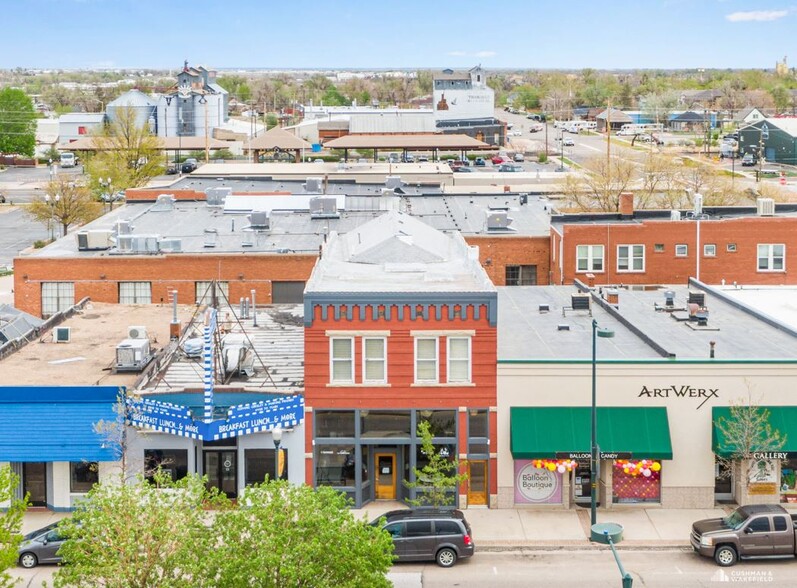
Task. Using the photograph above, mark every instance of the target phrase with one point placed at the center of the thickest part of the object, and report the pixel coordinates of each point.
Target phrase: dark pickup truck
(755, 530)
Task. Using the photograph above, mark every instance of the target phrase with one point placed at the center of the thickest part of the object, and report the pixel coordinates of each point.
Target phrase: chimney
(627, 204)
(590, 280)
(613, 297)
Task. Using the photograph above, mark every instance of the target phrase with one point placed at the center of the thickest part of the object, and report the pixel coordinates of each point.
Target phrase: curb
(585, 546)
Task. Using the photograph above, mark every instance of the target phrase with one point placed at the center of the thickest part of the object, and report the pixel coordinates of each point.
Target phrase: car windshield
(735, 520)
(38, 532)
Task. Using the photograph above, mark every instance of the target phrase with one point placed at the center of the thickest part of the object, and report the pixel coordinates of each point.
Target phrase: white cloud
(485, 54)
(456, 53)
(756, 15)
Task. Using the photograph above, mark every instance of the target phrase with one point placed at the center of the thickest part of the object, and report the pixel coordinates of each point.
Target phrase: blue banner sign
(245, 419)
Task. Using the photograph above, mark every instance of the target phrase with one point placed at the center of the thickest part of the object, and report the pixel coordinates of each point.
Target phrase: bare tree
(601, 185)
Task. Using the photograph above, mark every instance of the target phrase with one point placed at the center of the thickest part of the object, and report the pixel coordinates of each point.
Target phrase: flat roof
(168, 143)
(408, 141)
(527, 333)
(778, 302)
(90, 354)
(293, 230)
(351, 171)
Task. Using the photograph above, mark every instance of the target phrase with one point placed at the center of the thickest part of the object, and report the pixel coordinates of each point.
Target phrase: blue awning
(55, 423)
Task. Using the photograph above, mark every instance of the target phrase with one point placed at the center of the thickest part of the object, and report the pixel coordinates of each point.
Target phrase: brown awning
(167, 143)
(278, 138)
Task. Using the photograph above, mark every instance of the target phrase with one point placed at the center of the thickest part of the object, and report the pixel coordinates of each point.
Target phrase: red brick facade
(496, 253)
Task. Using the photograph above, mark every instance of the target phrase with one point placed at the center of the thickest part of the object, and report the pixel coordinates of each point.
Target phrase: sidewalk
(513, 529)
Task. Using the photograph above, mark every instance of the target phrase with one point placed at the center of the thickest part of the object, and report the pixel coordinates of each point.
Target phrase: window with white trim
(630, 258)
(709, 250)
(341, 360)
(57, 296)
(426, 360)
(374, 360)
(459, 359)
(771, 257)
(589, 258)
(135, 293)
(681, 250)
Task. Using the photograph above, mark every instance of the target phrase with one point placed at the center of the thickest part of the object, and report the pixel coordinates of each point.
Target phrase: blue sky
(574, 34)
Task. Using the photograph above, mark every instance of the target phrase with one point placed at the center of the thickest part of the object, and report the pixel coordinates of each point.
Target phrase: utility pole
(608, 147)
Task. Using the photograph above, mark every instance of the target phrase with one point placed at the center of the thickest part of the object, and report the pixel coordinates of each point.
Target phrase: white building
(463, 95)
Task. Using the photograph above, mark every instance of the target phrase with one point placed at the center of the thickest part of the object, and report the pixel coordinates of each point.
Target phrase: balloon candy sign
(555, 465)
(643, 467)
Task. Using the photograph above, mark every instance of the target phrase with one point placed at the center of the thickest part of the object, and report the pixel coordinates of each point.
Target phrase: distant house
(617, 118)
(700, 98)
(748, 115)
(690, 121)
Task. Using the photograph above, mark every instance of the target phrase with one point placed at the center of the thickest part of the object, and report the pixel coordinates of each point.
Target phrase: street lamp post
(562, 147)
(593, 461)
(108, 190)
(276, 435)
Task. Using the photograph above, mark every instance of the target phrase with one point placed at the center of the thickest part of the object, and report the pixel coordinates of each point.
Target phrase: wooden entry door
(385, 476)
(477, 482)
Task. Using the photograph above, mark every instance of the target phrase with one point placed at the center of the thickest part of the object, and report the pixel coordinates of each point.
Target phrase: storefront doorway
(221, 468)
(34, 483)
(385, 476)
(477, 482)
(723, 482)
(582, 487)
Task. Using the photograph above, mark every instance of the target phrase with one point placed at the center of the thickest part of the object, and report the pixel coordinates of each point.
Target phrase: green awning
(544, 432)
(782, 419)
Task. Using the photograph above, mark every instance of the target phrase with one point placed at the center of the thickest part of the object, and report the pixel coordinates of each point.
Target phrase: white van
(68, 160)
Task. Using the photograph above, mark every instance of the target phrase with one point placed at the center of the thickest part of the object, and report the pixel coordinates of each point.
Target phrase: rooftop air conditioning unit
(393, 182)
(123, 227)
(142, 243)
(313, 185)
(498, 219)
(62, 334)
(132, 355)
(259, 219)
(137, 332)
(248, 238)
(94, 240)
(675, 215)
(765, 206)
(217, 196)
(324, 207)
(124, 243)
(170, 245)
(580, 301)
(211, 237)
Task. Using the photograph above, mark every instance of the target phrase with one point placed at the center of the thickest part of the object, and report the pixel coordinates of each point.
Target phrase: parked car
(749, 160)
(515, 133)
(409, 158)
(40, 547)
(497, 159)
(463, 168)
(428, 534)
(479, 162)
(423, 159)
(189, 165)
(755, 530)
(568, 142)
(510, 168)
(518, 157)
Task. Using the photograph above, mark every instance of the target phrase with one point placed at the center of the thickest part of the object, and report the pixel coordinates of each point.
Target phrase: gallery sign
(536, 485)
(684, 391)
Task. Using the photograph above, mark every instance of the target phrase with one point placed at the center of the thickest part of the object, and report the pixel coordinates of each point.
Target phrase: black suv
(429, 534)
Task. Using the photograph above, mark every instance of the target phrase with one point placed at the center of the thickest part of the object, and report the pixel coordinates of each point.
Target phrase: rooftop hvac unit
(137, 332)
(94, 240)
(163, 203)
(137, 243)
(765, 206)
(170, 245)
(698, 204)
(211, 237)
(248, 238)
(217, 196)
(324, 207)
(698, 298)
(498, 219)
(675, 215)
(62, 334)
(123, 227)
(259, 219)
(132, 355)
(393, 182)
(124, 243)
(579, 301)
(313, 185)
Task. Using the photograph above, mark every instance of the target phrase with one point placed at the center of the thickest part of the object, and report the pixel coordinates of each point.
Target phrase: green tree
(127, 153)
(10, 525)
(439, 478)
(237, 86)
(17, 123)
(283, 535)
(66, 202)
(139, 535)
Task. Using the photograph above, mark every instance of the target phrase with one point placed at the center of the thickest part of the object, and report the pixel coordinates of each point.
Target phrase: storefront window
(173, 462)
(788, 483)
(83, 475)
(442, 423)
(260, 463)
(334, 465)
(334, 423)
(477, 423)
(378, 423)
(636, 480)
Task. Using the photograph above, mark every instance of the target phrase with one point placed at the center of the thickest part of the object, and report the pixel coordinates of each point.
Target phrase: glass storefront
(788, 480)
(636, 481)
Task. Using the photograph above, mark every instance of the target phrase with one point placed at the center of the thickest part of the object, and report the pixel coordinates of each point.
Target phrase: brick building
(714, 245)
(400, 326)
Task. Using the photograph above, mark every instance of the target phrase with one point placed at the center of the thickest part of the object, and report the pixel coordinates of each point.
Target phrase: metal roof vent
(211, 237)
(217, 196)
(314, 186)
(765, 206)
(393, 182)
(498, 220)
(164, 202)
(669, 298)
(259, 219)
(324, 207)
